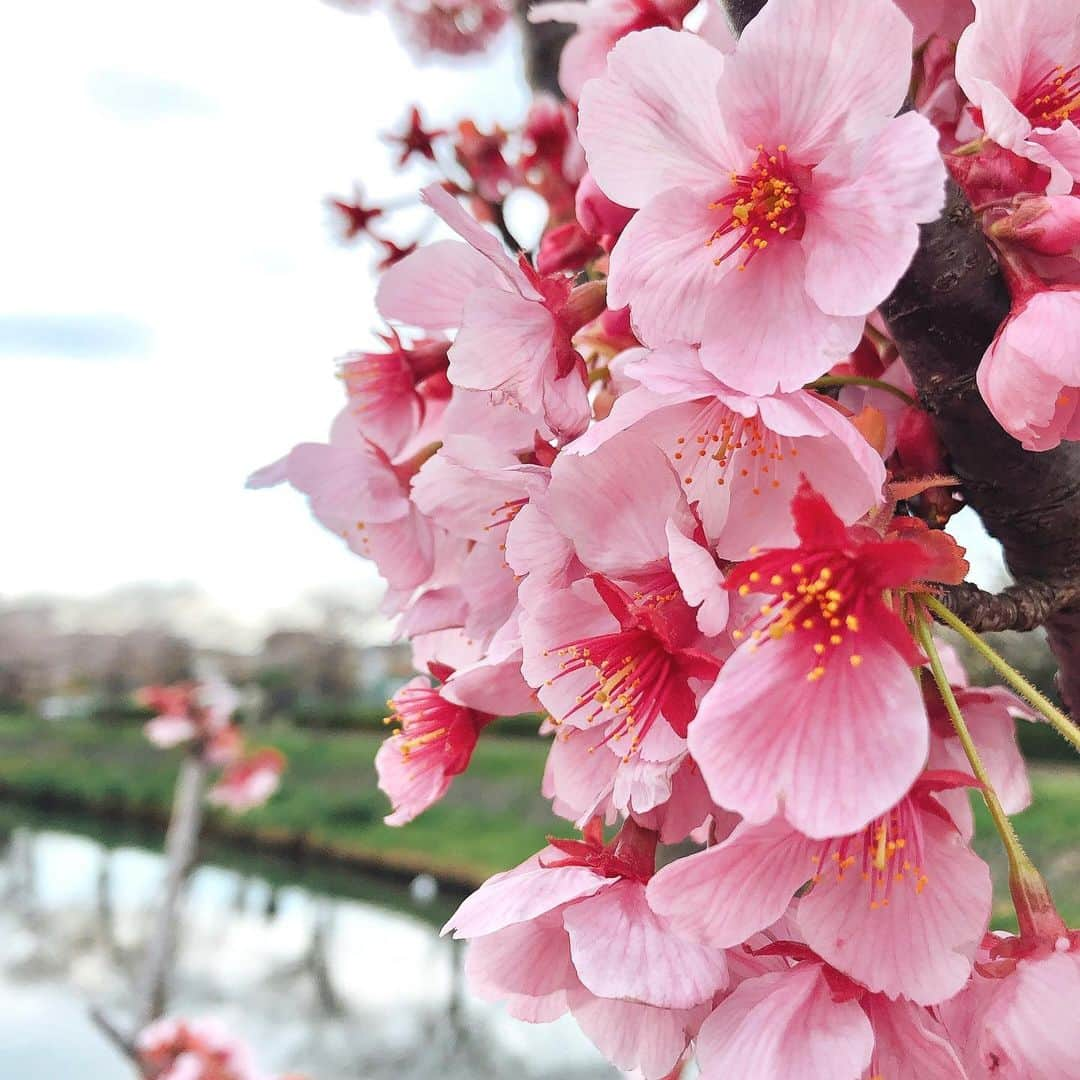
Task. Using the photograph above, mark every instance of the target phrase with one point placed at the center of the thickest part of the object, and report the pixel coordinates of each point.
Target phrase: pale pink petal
(537, 551)
(621, 949)
(477, 237)
(597, 502)
(920, 945)
(579, 776)
(411, 790)
(909, 1044)
(629, 408)
(633, 1036)
(403, 551)
(524, 893)
(785, 1024)
(849, 752)
(663, 266)
(862, 225)
(653, 122)
(1060, 153)
(466, 484)
(529, 959)
(429, 287)
(701, 581)
(1039, 997)
(785, 85)
(727, 893)
(716, 29)
(492, 686)
(493, 596)
(762, 332)
(584, 57)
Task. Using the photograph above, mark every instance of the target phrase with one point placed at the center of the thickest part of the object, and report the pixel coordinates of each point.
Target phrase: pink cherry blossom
(392, 392)
(900, 906)
(515, 324)
(601, 23)
(190, 712)
(249, 782)
(438, 727)
(1030, 375)
(1019, 64)
(570, 929)
(1016, 1018)
(783, 164)
(455, 27)
(176, 1049)
(812, 1022)
(827, 639)
(355, 491)
(741, 458)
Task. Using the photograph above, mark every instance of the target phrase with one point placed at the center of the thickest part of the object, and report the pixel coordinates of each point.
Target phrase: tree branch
(542, 44)
(1023, 606)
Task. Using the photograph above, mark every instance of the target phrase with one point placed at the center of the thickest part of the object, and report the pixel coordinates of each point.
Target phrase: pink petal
(909, 1044)
(701, 581)
(727, 893)
(579, 776)
(621, 949)
(524, 893)
(477, 237)
(429, 287)
(653, 122)
(597, 502)
(784, 84)
(785, 1024)
(862, 230)
(633, 1036)
(530, 959)
(848, 753)
(663, 267)
(762, 331)
(921, 944)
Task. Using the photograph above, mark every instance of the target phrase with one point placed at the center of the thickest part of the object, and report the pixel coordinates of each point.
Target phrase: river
(331, 975)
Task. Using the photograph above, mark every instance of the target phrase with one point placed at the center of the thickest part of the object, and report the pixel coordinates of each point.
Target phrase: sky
(172, 297)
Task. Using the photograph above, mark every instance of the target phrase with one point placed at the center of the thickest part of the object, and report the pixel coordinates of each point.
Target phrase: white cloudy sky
(171, 299)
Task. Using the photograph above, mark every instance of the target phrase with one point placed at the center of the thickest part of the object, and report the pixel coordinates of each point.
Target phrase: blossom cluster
(178, 1049)
(200, 717)
(666, 482)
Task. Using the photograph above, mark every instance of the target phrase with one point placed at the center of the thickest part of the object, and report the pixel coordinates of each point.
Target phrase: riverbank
(329, 810)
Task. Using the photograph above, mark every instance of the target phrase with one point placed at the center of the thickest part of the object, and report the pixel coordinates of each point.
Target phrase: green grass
(492, 818)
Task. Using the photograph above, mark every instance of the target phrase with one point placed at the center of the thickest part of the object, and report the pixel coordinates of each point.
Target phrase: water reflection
(340, 988)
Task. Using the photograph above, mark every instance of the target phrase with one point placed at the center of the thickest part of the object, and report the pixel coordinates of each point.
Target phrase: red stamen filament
(1053, 99)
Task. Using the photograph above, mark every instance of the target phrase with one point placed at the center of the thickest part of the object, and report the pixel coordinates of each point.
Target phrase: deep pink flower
(1030, 375)
(741, 458)
(393, 392)
(570, 929)
(189, 712)
(900, 906)
(810, 1021)
(415, 139)
(176, 1049)
(778, 161)
(515, 324)
(600, 24)
(355, 491)
(1019, 64)
(828, 640)
(354, 216)
(1045, 224)
(249, 782)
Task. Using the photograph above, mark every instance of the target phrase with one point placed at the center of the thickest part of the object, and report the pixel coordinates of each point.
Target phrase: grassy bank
(492, 818)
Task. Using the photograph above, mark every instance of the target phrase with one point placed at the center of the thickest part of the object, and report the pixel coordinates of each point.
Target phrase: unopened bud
(1048, 224)
(566, 247)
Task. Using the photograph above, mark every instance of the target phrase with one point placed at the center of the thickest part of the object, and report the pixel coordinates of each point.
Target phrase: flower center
(720, 440)
(1053, 99)
(630, 672)
(889, 852)
(762, 206)
(816, 600)
(430, 727)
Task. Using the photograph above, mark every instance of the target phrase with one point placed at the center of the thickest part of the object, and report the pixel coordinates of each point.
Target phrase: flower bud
(1049, 225)
(566, 247)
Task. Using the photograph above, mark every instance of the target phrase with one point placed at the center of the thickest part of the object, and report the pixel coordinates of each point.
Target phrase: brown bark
(542, 44)
(943, 314)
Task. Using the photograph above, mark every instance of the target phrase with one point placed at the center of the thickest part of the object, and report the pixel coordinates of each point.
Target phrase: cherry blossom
(783, 205)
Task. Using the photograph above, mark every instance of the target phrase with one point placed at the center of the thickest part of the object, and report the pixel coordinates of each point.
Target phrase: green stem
(1054, 716)
(860, 380)
(1018, 858)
